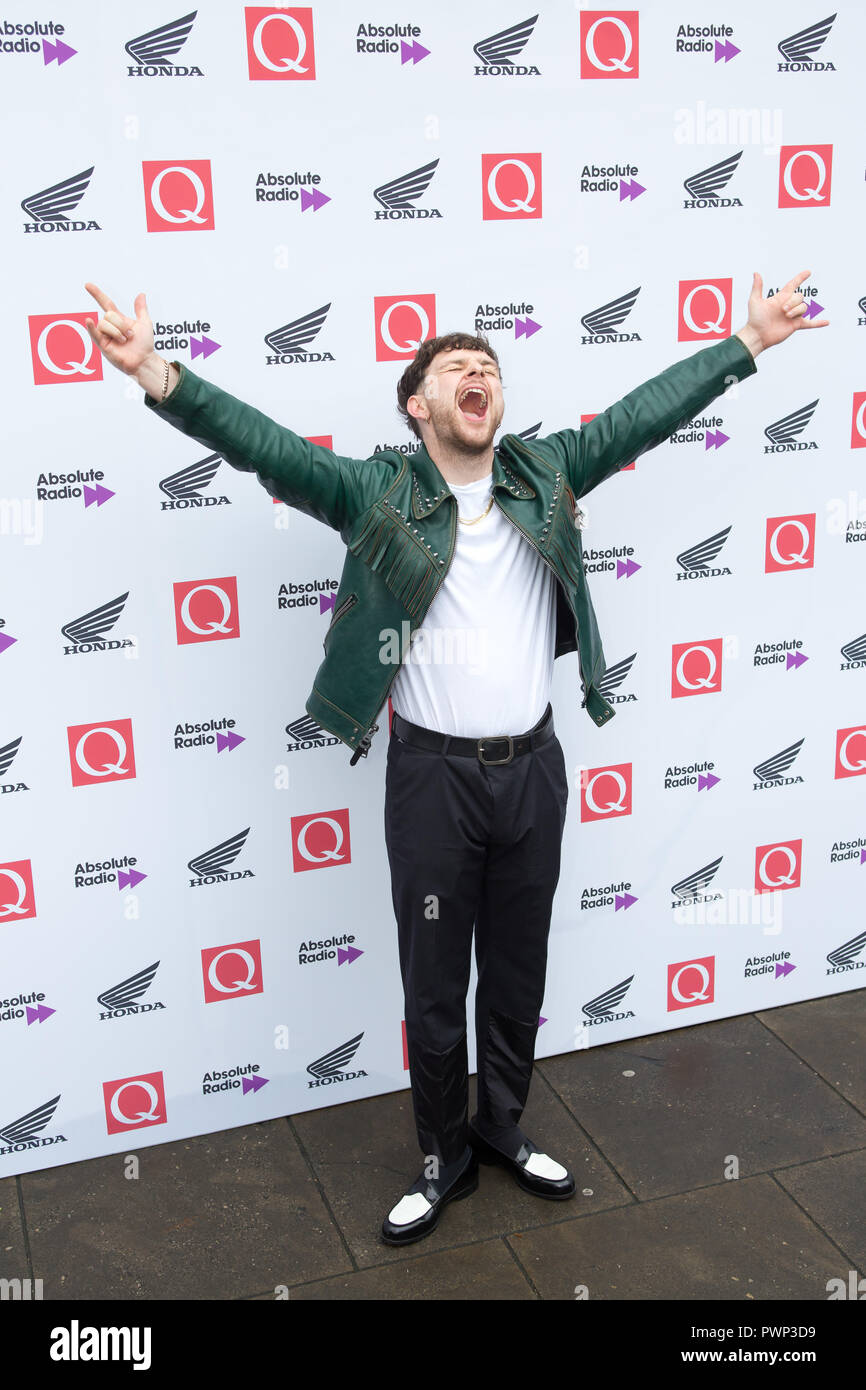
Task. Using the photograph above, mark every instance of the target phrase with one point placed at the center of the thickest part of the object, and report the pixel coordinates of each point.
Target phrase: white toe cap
(410, 1208)
(540, 1166)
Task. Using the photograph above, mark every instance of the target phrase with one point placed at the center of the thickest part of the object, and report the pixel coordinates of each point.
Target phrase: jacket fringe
(399, 559)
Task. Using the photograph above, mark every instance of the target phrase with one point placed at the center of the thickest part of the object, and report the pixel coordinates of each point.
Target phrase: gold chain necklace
(475, 520)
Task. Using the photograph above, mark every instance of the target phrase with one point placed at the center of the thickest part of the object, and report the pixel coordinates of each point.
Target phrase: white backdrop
(111, 978)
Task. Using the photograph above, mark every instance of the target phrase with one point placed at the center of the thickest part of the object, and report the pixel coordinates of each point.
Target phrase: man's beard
(449, 438)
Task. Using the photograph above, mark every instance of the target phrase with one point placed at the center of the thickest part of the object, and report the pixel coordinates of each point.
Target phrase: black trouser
(469, 846)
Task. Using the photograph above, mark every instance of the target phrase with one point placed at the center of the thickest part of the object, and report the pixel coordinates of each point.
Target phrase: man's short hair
(415, 373)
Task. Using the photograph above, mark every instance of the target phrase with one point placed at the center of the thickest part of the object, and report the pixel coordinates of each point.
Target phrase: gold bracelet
(165, 383)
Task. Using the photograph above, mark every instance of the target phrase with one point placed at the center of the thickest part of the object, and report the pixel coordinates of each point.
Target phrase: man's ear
(417, 409)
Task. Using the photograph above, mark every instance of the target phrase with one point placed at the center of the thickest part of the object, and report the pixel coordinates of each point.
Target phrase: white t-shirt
(482, 660)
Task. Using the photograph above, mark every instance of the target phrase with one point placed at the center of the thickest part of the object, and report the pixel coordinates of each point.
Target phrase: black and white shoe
(417, 1213)
(532, 1170)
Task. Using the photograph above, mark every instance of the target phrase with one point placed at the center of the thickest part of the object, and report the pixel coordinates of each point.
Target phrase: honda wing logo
(122, 995)
(400, 193)
(500, 50)
(290, 341)
(28, 1127)
(531, 433)
(697, 559)
(55, 203)
(843, 956)
(92, 626)
(157, 48)
(332, 1066)
(852, 651)
(773, 769)
(783, 433)
(693, 884)
(615, 675)
(603, 1006)
(601, 324)
(7, 754)
(214, 862)
(189, 481)
(709, 182)
(799, 48)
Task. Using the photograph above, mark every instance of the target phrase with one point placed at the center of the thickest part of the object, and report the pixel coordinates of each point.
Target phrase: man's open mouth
(472, 402)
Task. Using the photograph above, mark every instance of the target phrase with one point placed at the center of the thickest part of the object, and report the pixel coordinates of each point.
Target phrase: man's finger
(100, 296)
(757, 285)
(111, 332)
(141, 307)
(120, 321)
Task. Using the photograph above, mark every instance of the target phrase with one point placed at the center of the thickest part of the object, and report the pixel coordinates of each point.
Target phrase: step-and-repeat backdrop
(196, 927)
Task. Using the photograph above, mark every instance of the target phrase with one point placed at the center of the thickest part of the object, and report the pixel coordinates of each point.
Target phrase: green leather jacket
(398, 519)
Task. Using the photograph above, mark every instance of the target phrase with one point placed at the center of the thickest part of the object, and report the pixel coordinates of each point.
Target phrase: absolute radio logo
(788, 653)
(229, 972)
(605, 792)
(401, 324)
(609, 44)
(244, 1074)
(172, 336)
(101, 752)
(615, 895)
(790, 543)
(297, 187)
(54, 487)
(696, 668)
(50, 208)
(121, 871)
(87, 633)
(62, 351)
(604, 1007)
(305, 733)
(798, 50)
(706, 429)
(383, 38)
(612, 178)
(510, 187)
(24, 38)
(7, 757)
(805, 174)
(689, 890)
(705, 188)
(122, 1000)
(217, 731)
(397, 199)
(842, 959)
(134, 1102)
(321, 841)
(497, 54)
(704, 310)
(616, 558)
(697, 561)
(696, 38)
(280, 44)
(778, 866)
(304, 595)
(212, 866)
(182, 490)
(851, 752)
(333, 1066)
(289, 344)
(697, 774)
(338, 948)
(783, 434)
(691, 983)
(26, 1131)
(601, 323)
(495, 318)
(17, 899)
(613, 678)
(178, 196)
(33, 1006)
(152, 53)
(771, 772)
(844, 851)
(206, 610)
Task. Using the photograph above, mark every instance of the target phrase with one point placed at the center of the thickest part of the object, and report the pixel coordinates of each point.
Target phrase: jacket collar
(429, 488)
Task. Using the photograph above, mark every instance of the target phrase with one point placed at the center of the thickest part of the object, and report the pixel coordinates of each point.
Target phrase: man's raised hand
(774, 319)
(128, 343)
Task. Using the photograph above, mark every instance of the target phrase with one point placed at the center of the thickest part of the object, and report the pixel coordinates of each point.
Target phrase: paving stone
(476, 1273)
(699, 1096)
(830, 1035)
(831, 1191)
(13, 1253)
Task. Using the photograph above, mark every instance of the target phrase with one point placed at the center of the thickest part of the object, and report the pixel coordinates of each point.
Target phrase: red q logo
(804, 176)
(101, 752)
(321, 841)
(858, 421)
(778, 866)
(704, 310)
(696, 668)
(134, 1103)
(609, 43)
(851, 752)
(231, 972)
(178, 197)
(510, 186)
(402, 324)
(62, 350)
(280, 45)
(206, 610)
(605, 792)
(691, 982)
(790, 543)
(17, 899)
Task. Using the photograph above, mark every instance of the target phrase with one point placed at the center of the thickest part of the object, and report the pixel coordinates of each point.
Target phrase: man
(469, 539)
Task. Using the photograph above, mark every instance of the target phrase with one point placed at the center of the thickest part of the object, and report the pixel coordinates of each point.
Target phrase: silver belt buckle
(496, 762)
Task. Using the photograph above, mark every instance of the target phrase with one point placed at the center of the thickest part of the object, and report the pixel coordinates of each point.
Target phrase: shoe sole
(465, 1191)
(486, 1154)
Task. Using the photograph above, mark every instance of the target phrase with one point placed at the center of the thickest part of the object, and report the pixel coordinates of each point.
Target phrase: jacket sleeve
(650, 413)
(307, 476)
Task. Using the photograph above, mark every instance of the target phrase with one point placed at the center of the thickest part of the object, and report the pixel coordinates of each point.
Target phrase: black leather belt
(489, 750)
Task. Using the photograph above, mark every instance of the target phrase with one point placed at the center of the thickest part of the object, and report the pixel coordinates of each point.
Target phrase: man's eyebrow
(455, 361)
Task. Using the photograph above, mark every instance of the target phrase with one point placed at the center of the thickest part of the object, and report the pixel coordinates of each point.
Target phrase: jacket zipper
(347, 603)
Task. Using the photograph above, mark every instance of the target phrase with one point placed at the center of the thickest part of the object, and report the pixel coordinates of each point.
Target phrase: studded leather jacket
(398, 519)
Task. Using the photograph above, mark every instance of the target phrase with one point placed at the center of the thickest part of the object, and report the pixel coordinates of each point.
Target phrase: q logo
(321, 841)
(804, 176)
(402, 324)
(206, 610)
(510, 186)
(790, 543)
(704, 310)
(696, 668)
(101, 752)
(280, 45)
(134, 1102)
(609, 43)
(178, 197)
(62, 349)
(232, 972)
(778, 866)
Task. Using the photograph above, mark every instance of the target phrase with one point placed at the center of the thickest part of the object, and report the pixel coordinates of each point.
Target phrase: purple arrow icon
(203, 347)
(39, 1015)
(795, 659)
(98, 494)
(228, 741)
(626, 568)
(624, 901)
(59, 50)
(541, 1020)
(714, 439)
(252, 1083)
(525, 326)
(326, 601)
(726, 50)
(813, 310)
(784, 967)
(414, 50)
(129, 880)
(862, 857)
(707, 782)
(6, 641)
(345, 957)
(631, 189)
(313, 199)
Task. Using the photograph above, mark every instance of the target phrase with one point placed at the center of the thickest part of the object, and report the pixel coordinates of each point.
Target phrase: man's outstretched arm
(654, 411)
(312, 479)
